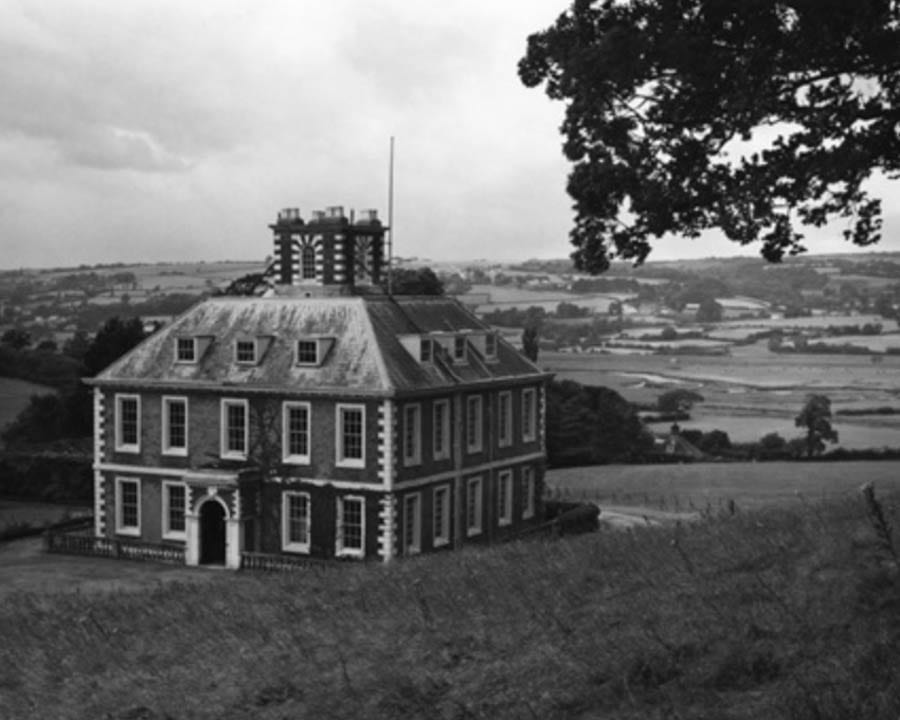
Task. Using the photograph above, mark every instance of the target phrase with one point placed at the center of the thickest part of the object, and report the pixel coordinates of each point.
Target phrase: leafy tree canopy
(662, 96)
(816, 418)
(421, 281)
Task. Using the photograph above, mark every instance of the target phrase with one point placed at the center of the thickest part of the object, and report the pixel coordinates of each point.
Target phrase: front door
(212, 533)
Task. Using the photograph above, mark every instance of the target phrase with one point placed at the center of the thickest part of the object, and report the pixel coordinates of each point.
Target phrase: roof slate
(366, 358)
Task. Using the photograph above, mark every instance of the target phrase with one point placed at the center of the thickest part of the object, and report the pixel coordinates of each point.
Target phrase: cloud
(111, 148)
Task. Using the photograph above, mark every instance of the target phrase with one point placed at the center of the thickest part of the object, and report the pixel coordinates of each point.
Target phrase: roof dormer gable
(190, 349)
(312, 351)
(249, 350)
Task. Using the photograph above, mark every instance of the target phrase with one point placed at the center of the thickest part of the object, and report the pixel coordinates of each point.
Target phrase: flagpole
(390, 263)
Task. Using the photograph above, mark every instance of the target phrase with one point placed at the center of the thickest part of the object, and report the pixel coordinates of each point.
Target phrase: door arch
(212, 532)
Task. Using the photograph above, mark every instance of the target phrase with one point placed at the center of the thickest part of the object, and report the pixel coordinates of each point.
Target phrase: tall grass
(791, 613)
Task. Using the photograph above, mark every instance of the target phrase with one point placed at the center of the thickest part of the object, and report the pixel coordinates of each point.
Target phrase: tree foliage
(530, 344)
(816, 418)
(421, 281)
(709, 311)
(679, 400)
(588, 425)
(663, 95)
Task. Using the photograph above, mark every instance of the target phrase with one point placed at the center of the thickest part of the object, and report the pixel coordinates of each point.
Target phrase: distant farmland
(698, 485)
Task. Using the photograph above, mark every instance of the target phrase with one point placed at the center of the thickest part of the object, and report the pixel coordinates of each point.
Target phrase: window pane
(352, 524)
(307, 352)
(185, 349)
(298, 519)
(352, 433)
(308, 263)
(177, 424)
(246, 351)
(176, 508)
(235, 433)
(129, 504)
(298, 431)
(128, 421)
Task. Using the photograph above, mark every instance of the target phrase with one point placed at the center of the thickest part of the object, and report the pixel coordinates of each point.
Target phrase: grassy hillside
(791, 613)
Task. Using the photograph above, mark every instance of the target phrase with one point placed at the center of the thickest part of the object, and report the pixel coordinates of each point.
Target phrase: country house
(323, 419)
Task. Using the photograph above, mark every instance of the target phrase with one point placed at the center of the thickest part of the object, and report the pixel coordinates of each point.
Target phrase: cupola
(330, 253)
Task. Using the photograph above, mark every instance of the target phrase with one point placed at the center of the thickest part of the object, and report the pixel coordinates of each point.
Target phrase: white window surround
(167, 532)
(287, 455)
(168, 401)
(460, 345)
(341, 411)
(289, 544)
(527, 492)
(412, 434)
(441, 515)
(121, 445)
(412, 523)
(241, 347)
(474, 423)
(121, 528)
(504, 419)
(473, 506)
(441, 429)
(302, 355)
(226, 452)
(529, 414)
(341, 548)
(504, 497)
(182, 353)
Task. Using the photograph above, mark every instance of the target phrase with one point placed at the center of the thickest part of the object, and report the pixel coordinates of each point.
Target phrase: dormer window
(186, 350)
(245, 352)
(425, 350)
(307, 352)
(459, 347)
(490, 345)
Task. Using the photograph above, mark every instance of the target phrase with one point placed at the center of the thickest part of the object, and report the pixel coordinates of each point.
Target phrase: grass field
(14, 396)
(790, 613)
(699, 485)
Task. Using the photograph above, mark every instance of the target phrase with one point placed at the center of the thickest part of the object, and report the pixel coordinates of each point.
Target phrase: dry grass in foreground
(787, 613)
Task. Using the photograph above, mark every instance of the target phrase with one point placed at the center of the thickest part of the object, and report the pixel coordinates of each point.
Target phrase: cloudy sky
(160, 130)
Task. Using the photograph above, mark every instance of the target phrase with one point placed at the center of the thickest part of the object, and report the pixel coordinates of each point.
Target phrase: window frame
(474, 436)
(121, 528)
(490, 346)
(224, 452)
(412, 455)
(120, 445)
(529, 419)
(460, 346)
(340, 449)
(306, 363)
(528, 488)
(440, 441)
(426, 350)
(341, 550)
(167, 532)
(237, 352)
(286, 455)
(504, 498)
(192, 360)
(414, 547)
(307, 253)
(287, 544)
(440, 527)
(504, 419)
(166, 441)
(474, 525)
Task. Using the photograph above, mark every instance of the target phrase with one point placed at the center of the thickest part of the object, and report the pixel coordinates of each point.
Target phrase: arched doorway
(212, 533)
